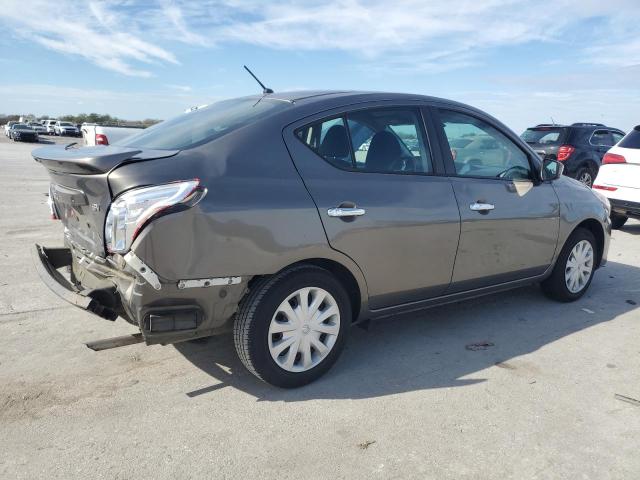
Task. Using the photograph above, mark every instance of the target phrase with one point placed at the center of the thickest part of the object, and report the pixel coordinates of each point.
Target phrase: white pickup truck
(105, 134)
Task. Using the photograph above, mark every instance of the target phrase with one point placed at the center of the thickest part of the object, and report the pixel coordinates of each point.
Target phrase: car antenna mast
(265, 90)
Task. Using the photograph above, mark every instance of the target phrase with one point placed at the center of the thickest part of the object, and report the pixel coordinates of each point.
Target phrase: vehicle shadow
(433, 349)
(632, 227)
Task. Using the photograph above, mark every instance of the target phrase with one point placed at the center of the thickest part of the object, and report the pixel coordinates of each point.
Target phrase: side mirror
(551, 169)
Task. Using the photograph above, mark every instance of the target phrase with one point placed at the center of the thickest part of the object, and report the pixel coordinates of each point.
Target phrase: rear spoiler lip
(93, 160)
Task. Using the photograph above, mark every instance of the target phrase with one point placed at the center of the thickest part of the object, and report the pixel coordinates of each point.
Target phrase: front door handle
(481, 207)
(346, 212)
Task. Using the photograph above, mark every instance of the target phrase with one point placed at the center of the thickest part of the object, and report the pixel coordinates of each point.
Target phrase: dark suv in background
(579, 146)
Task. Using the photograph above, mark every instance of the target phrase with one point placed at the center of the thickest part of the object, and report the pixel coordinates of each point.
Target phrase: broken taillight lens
(132, 210)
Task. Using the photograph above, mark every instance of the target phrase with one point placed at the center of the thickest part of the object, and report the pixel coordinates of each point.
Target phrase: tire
(618, 221)
(557, 286)
(261, 310)
(586, 175)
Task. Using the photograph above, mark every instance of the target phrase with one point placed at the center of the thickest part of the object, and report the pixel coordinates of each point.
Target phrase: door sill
(453, 297)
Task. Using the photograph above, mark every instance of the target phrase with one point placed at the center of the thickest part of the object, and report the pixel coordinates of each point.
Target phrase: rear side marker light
(564, 152)
(604, 187)
(610, 158)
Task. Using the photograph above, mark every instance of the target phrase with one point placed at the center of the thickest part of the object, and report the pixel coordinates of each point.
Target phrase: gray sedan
(289, 217)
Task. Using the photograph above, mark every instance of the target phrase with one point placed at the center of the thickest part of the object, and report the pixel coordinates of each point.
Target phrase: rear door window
(330, 140)
(386, 140)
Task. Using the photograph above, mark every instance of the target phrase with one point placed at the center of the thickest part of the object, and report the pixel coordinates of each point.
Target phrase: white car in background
(38, 127)
(105, 134)
(66, 128)
(7, 127)
(49, 126)
(619, 178)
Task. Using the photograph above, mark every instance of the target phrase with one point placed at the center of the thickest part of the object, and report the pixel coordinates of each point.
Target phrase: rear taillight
(132, 210)
(101, 139)
(613, 158)
(564, 152)
(604, 187)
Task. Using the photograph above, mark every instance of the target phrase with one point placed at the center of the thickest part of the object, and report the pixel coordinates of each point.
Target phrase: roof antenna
(265, 90)
(553, 122)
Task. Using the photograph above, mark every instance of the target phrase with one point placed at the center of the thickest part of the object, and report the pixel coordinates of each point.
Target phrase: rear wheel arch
(346, 278)
(593, 165)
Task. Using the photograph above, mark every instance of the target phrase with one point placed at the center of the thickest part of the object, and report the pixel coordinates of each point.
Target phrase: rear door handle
(481, 207)
(346, 212)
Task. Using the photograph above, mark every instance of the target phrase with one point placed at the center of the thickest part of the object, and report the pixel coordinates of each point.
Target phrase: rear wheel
(574, 269)
(618, 221)
(292, 326)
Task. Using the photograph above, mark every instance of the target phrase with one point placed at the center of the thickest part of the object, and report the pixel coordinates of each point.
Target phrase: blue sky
(522, 61)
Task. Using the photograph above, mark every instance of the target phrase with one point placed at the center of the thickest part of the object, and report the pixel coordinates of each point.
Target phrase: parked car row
(61, 128)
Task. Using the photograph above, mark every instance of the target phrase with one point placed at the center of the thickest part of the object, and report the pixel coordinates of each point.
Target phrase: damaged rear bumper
(166, 311)
(48, 262)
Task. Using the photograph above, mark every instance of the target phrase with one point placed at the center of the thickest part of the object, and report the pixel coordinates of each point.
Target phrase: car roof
(321, 96)
(310, 102)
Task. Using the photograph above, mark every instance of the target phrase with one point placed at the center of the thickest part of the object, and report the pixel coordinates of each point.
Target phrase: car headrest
(384, 151)
(335, 143)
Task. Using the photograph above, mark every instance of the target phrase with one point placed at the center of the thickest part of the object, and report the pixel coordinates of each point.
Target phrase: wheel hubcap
(586, 178)
(304, 329)
(579, 266)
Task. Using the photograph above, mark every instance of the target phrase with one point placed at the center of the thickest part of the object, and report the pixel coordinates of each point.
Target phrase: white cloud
(92, 32)
(180, 88)
(408, 35)
(401, 36)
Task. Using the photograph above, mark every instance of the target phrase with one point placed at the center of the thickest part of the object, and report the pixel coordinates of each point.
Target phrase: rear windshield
(204, 124)
(631, 139)
(544, 135)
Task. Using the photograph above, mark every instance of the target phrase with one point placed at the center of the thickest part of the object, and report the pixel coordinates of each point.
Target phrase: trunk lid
(80, 189)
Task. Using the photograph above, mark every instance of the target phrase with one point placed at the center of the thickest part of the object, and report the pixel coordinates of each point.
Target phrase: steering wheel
(404, 164)
(508, 173)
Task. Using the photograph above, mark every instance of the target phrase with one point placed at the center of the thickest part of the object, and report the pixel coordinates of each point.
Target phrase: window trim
(417, 109)
(446, 150)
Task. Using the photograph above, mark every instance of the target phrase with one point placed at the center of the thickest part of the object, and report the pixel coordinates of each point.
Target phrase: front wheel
(291, 327)
(574, 269)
